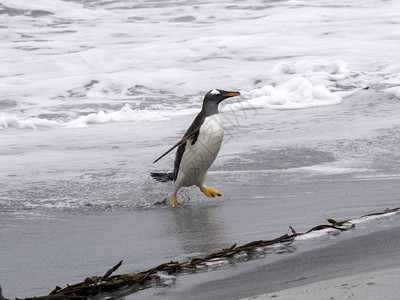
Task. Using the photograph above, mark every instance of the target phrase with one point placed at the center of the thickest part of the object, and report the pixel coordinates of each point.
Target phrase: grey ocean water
(93, 91)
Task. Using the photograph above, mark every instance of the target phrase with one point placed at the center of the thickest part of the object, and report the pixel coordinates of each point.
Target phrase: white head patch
(214, 92)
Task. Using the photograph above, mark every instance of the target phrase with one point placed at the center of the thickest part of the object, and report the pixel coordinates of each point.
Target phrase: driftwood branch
(112, 270)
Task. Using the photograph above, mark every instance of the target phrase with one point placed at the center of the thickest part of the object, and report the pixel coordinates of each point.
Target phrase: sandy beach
(382, 284)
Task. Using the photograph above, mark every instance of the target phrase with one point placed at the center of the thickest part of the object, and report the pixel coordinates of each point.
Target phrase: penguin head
(217, 96)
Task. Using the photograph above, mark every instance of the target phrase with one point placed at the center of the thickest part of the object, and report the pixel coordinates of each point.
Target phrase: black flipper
(182, 141)
(192, 132)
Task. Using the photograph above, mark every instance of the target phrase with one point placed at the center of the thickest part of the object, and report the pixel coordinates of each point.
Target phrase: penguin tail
(163, 177)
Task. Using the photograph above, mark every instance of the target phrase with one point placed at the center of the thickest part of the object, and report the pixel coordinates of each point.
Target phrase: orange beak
(231, 94)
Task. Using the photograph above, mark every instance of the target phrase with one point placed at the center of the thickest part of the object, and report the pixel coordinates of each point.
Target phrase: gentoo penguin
(198, 148)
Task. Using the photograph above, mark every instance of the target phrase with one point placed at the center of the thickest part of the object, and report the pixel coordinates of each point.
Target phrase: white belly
(199, 157)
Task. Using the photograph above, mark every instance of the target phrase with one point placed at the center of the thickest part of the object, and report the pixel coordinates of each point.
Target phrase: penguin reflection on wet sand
(198, 148)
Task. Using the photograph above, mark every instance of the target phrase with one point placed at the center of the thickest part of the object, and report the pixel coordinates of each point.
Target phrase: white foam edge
(332, 169)
(165, 276)
(125, 114)
(295, 93)
(215, 262)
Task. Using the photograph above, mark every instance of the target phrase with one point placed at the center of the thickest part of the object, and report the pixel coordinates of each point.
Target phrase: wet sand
(64, 248)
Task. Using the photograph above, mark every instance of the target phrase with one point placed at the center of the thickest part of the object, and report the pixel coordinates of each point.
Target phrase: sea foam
(296, 93)
(299, 85)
